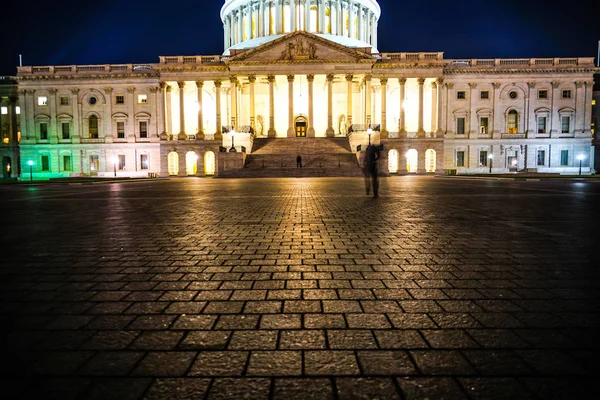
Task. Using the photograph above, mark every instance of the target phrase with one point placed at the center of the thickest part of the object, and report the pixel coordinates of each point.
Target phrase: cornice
(84, 77)
(499, 71)
(192, 68)
(300, 62)
(408, 66)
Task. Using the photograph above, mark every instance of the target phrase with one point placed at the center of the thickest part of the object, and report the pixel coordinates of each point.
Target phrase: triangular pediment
(301, 47)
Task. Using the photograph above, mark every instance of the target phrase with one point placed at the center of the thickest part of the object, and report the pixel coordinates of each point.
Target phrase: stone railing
(520, 62)
(84, 69)
(190, 60)
(410, 57)
(514, 136)
(92, 141)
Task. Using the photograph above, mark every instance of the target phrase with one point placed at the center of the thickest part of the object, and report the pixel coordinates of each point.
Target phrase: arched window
(173, 163)
(430, 160)
(512, 121)
(412, 157)
(191, 163)
(209, 163)
(93, 127)
(393, 161)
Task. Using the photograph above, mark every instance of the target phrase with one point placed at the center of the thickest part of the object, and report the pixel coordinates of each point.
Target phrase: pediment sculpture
(300, 50)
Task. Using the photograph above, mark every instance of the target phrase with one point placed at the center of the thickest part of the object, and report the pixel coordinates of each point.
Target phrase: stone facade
(177, 117)
(9, 128)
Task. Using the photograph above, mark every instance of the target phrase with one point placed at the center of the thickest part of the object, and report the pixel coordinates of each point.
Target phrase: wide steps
(302, 146)
(291, 172)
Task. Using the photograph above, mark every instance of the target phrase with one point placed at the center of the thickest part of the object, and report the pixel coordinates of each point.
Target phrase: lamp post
(232, 133)
(369, 133)
(580, 158)
(30, 163)
(491, 160)
(115, 160)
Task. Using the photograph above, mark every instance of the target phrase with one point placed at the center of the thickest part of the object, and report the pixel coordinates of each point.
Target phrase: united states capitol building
(299, 77)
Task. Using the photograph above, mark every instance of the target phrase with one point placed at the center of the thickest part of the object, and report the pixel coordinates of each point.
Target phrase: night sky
(130, 31)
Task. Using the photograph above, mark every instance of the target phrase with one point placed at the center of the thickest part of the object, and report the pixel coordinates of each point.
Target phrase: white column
(420, 130)
(473, 130)
(311, 127)
(168, 110)
(349, 91)
(440, 109)
(330, 132)
(261, 19)
(291, 131)
(252, 79)
(233, 94)
(199, 86)
(433, 106)
(383, 131)
(292, 15)
(226, 33)
(530, 117)
(271, 80)
(368, 99)
(278, 17)
(322, 25)
(359, 16)
(181, 109)
(307, 15)
(240, 25)
(578, 126)
(402, 119)
(339, 17)
(218, 133)
(589, 85)
(350, 19)
(248, 21)
(374, 31)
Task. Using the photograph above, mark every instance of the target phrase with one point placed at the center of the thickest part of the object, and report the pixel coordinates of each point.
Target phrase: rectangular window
(565, 124)
(541, 124)
(485, 94)
(42, 101)
(541, 157)
(121, 162)
(461, 95)
(64, 100)
(483, 158)
(483, 125)
(144, 161)
(142, 98)
(45, 163)
(18, 110)
(67, 163)
(143, 129)
(460, 158)
(120, 99)
(66, 130)
(542, 94)
(566, 94)
(4, 110)
(43, 131)
(121, 130)
(460, 126)
(564, 157)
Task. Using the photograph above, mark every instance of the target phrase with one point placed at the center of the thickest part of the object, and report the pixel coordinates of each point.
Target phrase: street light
(232, 133)
(580, 158)
(30, 163)
(115, 160)
(369, 133)
(491, 158)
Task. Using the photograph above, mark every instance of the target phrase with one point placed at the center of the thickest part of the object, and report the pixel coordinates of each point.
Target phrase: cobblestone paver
(300, 289)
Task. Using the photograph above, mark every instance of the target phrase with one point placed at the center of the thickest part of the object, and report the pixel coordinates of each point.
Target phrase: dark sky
(130, 31)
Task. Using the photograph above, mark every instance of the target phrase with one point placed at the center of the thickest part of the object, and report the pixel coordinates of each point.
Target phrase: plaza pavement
(441, 288)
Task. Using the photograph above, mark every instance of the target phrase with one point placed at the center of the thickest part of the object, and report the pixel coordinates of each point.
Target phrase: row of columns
(436, 103)
(10, 119)
(273, 12)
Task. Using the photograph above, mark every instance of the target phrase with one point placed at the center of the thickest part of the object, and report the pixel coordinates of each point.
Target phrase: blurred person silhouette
(372, 155)
(299, 161)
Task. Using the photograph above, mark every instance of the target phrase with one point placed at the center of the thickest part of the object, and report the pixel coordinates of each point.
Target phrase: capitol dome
(251, 23)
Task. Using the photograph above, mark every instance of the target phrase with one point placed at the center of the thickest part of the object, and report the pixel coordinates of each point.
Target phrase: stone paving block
(383, 362)
(117, 388)
(417, 388)
(156, 340)
(367, 321)
(494, 388)
(187, 322)
(110, 340)
(302, 389)
(275, 363)
(112, 363)
(219, 363)
(165, 363)
(245, 321)
(324, 321)
(411, 321)
(441, 362)
(205, 340)
(351, 339)
(179, 388)
(341, 306)
(253, 340)
(302, 340)
(330, 363)
(400, 339)
(281, 321)
(366, 388)
(240, 388)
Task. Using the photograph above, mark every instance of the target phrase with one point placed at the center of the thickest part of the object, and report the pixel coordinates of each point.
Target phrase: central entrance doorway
(300, 125)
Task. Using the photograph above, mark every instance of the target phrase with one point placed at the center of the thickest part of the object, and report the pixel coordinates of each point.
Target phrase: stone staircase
(276, 157)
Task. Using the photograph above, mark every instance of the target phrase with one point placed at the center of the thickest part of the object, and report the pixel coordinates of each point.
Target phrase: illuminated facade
(9, 128)
(315, 72)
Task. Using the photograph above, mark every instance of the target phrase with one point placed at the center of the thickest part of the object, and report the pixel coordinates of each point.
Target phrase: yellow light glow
(6, 140)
